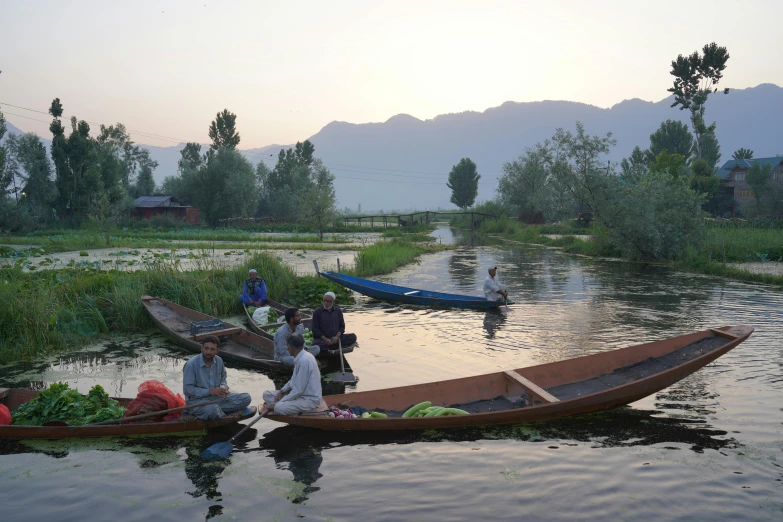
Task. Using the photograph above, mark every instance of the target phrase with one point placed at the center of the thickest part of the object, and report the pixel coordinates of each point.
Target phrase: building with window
(734, 184)
(147, 206)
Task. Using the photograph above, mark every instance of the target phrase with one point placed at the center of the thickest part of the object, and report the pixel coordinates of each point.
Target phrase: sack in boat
(5, 415)
(155, 396)
(261, 315)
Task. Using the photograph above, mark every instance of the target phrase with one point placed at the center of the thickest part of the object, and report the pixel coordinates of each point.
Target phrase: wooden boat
(13, 398)
(403, 294)
(263, 329)
(547, 391)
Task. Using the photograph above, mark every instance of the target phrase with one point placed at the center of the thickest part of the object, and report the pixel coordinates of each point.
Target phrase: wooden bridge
(415, 218)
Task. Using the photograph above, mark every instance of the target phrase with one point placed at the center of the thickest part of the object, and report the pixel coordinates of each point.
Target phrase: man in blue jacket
(254, 293)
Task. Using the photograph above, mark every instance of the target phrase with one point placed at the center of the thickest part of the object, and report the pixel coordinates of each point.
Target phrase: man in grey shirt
(293, 324)
(303, 392)
(204, 380)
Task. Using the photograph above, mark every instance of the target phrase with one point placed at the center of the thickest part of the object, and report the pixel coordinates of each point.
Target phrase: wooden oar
(344, 376)
(155, 414)
(222, 450)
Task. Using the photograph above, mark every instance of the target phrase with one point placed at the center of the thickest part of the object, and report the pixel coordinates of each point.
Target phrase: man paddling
(303, 392)
(293, 325)
(493, 290)
(204, 380)
(329, 325)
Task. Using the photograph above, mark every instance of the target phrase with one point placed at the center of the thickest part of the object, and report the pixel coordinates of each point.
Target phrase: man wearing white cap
(329, 326)
(493, 290)
(254, 293)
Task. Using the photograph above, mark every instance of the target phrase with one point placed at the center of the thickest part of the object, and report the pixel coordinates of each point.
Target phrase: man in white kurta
(303, 392)
(493, 290)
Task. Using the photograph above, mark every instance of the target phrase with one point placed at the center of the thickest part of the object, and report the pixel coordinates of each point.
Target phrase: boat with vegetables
(547, 391)
(15, 400)
(267, 330)
(414, 296)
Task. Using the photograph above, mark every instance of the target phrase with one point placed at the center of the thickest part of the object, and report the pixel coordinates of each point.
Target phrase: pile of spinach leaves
(60, 403)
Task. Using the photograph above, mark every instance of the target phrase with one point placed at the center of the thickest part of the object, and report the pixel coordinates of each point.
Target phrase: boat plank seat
(413, 292)
(217, 333)
(721, 333)
(532, 387)
(4, 392)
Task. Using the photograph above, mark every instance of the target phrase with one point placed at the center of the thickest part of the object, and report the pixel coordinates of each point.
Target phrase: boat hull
(550, 376)
(402, 294)
(15, 397)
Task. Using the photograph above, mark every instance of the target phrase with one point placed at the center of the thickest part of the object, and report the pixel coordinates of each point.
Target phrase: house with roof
(147, 206)
(732, 175)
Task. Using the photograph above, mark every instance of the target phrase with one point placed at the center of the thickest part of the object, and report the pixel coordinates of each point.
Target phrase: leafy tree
(524, 185)
(222, 131)
(672, 164)
(191, 158)
(5, 180)
(38, 186)
(11, 168)
(636, 166)
(672, 136)
(695, 78)
(225, 187)
(145, 184)
(710, 150)
(116, 142)
(318, 202)
(463, 182)
(742, 154)
(758, 179)
(281, 188)
(704, 180)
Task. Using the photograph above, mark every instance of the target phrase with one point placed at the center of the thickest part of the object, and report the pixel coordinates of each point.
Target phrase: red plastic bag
(5, 415)
(155, 396)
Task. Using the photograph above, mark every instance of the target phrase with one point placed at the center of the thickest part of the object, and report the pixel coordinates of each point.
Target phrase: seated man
(303, 392)
(493, 290)
(254, 293)
(204, 380)
(329, 325)
(293, 320)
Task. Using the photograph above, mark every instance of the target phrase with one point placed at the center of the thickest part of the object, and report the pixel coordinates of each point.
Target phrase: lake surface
(708, 448)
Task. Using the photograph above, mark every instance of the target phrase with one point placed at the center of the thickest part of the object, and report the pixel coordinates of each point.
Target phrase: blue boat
(403, 294)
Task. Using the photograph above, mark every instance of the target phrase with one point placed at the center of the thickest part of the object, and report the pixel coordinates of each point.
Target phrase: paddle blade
(217, 451)
(344, 377)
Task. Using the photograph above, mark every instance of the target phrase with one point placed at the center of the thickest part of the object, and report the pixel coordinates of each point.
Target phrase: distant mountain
(414, 156)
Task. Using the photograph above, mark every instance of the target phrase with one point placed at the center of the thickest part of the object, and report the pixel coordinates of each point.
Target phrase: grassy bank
(386, 256)
(49, 311)
(739, 244)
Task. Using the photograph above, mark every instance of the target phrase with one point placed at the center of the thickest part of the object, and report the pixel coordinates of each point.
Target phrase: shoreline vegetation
(56, 310)
(735, 244)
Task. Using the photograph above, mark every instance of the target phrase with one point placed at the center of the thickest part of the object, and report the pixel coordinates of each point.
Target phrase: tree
(463, 182)
(524, 184)
(704, 181)
(281, 188)
(318, 201)
(636, 166)
(5, 180)
(710, 150)
(758, 179)
(145, 184)
(672, 136)
(38, 186)
(222, 131)
(191, 158)
(742, 154)
(695, 78)
(225, 187)
(672, 164)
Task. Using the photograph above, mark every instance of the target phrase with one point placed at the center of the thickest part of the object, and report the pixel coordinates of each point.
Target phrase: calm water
(708, 448)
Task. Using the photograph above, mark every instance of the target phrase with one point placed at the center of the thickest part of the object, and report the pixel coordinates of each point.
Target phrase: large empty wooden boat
(263, 329)
(13, 398)
(547, 391)
(414, 296)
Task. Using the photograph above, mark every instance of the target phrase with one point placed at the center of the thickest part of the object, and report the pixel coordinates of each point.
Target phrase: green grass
(386, 256)
(49, 311)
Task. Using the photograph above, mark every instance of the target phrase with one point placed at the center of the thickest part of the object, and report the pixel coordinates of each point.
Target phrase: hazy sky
(289, 68)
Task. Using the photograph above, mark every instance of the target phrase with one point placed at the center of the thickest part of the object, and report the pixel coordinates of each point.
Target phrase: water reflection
(493, 322)
(463, 265)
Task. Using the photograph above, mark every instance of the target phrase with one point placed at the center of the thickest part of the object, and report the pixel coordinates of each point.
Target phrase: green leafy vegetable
(60, 403)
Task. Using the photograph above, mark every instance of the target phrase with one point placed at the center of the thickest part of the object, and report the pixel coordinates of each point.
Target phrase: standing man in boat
(254, 293)
(303, 392)
(493, 290)
(204, 380)
(293, 325)
(329, 325)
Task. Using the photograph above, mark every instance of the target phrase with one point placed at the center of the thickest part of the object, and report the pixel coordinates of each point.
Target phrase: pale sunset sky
(289, 68)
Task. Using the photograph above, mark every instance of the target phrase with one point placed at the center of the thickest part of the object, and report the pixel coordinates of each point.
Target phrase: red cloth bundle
(155, 396)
